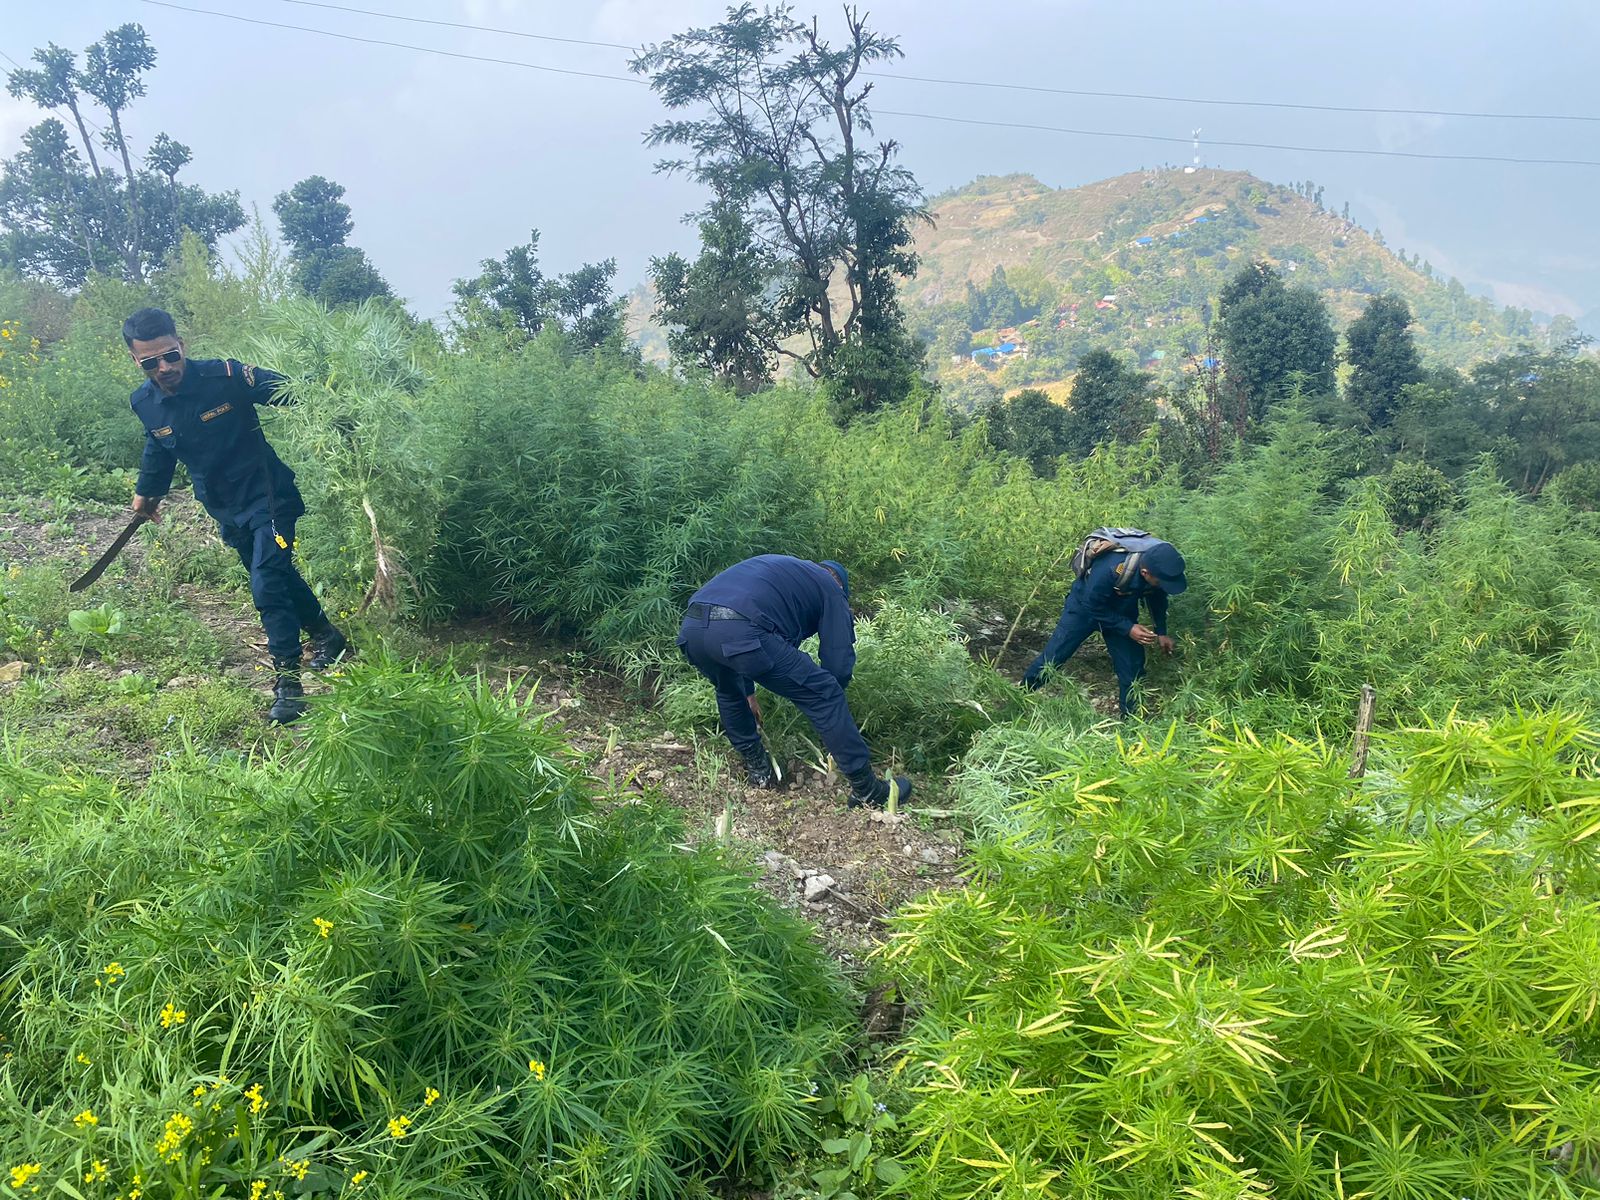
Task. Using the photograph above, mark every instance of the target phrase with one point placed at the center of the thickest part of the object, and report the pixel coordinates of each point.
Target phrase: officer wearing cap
(201, 412)
(745, 627)
(1106, 598)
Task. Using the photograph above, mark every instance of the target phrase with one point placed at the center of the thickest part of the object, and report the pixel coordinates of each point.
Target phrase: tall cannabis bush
(417, 960)
(1215, 967)
(372, 446)
(1299, 596)
(595, 500)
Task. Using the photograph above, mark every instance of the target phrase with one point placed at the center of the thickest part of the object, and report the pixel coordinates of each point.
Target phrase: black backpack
(1134, 543)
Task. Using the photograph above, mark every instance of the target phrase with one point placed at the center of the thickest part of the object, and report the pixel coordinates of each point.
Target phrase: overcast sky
(448, 161)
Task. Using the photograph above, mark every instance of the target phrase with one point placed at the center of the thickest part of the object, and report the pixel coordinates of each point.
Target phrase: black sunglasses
(170, 356)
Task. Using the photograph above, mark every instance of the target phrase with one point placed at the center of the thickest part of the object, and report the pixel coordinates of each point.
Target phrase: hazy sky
(448, 161)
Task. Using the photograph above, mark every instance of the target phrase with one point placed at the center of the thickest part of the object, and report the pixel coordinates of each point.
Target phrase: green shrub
(1216, 967)
(418, 952)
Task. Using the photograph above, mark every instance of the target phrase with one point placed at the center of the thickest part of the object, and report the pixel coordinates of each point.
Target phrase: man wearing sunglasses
(201, 412)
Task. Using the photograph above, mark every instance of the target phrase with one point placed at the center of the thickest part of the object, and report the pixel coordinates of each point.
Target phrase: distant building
(1144, 241)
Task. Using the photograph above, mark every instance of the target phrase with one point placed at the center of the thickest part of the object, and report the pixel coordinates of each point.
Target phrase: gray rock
(818, 886)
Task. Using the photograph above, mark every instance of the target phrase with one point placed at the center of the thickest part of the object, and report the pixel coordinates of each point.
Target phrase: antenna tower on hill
(1190, 170)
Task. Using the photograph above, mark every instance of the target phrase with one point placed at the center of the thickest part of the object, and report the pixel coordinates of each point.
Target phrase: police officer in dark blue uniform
(745, 627)
(202, 412)
(1102, 599)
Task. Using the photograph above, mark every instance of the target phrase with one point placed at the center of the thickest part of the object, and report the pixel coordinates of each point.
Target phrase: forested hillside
(1134, 264)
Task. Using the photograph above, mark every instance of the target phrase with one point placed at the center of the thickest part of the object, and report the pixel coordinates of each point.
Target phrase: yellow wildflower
(96, 1172)
(199, 1091)
(324, 926)
(21, 1174)
(171, 1015)
(258, 1189)
(114, 972)
(398, 1127)
(537, 1068)
(429, 1096)
(296, 1169)
(358, 1179)
(258, 1104)
(83, 1059)
(85, 1119)
(170, 1147)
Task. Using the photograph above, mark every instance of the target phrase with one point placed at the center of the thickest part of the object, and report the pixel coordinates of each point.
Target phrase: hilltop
(1133, 262)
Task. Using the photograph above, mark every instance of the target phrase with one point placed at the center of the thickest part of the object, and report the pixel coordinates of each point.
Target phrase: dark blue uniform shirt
(210, 424)
(793, 599)
(1096, 595)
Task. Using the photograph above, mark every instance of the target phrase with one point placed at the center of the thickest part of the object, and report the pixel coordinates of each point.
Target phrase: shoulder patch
(249, 373)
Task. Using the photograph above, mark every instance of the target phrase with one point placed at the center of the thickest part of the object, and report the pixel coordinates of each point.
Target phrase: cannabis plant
(418, 958)
(1212, 965)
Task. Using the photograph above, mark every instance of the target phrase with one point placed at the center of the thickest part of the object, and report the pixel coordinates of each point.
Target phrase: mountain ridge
(1134, 262)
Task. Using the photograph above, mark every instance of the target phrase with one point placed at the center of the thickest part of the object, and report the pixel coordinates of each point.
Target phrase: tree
(313, 216)
(341, 277)
(316, 221)
(781, 138)
(113, 74)
(1002, 305)
(166, 157)
(63, 219)
(1110, 403)
(1383, 358)
(1545, 409)
(1031, 426)
(55, 85)
(513, 298)
(715, 307)
(1273, 337)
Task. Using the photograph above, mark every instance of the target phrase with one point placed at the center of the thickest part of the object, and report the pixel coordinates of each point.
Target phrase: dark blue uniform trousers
(729, 653)
(1075, 626)
(286, 603)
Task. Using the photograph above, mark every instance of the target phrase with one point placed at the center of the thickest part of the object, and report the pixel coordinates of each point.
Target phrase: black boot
(329, 646)
(867, 789)
(763, 770)
(288, 698)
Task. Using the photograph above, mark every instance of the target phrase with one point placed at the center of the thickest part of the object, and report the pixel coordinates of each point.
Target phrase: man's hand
(755, 706)
(1142, 634)
(147, 506)
(1167, 644)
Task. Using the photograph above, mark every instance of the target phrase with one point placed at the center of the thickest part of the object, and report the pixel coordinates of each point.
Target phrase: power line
(388, 16)
(1337, 108)
(350, 37)
(1148, 137)
(984, 83)
(1154, 137)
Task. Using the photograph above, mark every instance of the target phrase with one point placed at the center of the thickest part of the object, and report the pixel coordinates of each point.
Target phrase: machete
(98, 569)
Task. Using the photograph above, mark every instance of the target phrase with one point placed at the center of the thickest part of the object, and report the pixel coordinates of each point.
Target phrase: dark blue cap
(1166, 564)
(844, 576)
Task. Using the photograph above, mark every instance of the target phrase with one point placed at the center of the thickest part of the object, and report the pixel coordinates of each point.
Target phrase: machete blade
(115, 549)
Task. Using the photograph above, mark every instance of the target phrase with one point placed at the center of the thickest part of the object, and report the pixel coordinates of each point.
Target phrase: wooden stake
(1369, 703)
